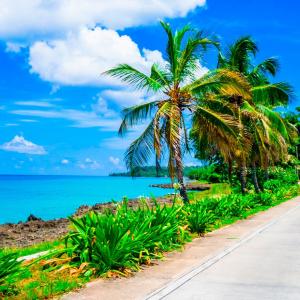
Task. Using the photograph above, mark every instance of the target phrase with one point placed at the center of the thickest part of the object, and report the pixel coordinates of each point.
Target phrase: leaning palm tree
(270, 135)
(176, 88)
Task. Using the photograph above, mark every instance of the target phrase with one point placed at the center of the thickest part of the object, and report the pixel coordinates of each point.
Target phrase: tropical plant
(176, 85)
(199, 217)
(10, 267)
(264, 132)
(122, 240)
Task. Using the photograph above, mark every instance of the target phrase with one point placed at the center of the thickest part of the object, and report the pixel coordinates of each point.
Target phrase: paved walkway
(265, 265)
(256, 258)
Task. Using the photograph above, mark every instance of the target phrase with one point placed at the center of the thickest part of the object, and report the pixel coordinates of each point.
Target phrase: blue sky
(59, 116)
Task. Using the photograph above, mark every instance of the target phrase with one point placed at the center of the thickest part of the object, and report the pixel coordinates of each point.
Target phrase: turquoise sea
(50, 197)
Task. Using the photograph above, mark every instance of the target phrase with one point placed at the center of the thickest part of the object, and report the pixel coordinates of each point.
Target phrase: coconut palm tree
(270, 134)
(176, 88)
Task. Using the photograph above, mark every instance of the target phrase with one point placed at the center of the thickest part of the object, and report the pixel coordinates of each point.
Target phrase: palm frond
(221, 81)
(140, 150)
(171, 47)
(239, 54)
(133, 77)
(133, 115)
(268, 66)
(273, 94)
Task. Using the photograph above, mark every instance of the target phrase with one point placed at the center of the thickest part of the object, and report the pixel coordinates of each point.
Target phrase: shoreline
(23, 234)
(28, 233)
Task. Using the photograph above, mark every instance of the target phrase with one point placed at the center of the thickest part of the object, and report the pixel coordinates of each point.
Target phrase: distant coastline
(150, 171)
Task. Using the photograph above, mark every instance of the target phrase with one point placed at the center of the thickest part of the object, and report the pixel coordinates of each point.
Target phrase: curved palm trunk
(230, 171)
(254, 178)
(179, 171)
(243, 177)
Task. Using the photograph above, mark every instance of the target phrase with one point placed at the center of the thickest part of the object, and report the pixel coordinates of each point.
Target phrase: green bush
(231, 206)
(127, 238)
(199, 217)
(272, 184)
(284, 175)
(207, 173)
(10, 267)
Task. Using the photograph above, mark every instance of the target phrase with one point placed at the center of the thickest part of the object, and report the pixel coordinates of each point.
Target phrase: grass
(118, 244)
(32, 249)
(216, 190)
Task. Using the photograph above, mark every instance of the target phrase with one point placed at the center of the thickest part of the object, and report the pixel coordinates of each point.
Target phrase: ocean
(50, 197)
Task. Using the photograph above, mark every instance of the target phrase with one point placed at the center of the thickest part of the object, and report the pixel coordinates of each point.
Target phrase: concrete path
(256, 258)
(266, 265)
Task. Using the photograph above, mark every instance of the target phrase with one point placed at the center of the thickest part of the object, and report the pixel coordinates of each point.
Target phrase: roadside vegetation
(114, 244)
(228, 117)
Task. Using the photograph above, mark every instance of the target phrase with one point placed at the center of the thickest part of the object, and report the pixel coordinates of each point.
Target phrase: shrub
(10, 267)
(207, 173)
(272, 184)
(199, 217)
(125, 239)
(265, 199)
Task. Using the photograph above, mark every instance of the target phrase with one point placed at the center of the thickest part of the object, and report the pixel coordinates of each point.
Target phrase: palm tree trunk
(254, 178)
(243, 178)
(230, 171)
(157, 166)
(179, 170)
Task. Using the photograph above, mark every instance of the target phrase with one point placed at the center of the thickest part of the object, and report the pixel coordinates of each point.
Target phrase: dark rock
(189, 186)
(32, 217)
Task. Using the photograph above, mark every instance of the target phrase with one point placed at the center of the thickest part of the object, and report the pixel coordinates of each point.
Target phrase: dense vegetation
(231, 109)
(151, 171)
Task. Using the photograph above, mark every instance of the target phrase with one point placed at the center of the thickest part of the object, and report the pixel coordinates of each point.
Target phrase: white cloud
(65, 161)
(14, 47)
(101, 107)
(124, 97)
(11, 124)
(114, 160)
(89, 163)
(28, 121)
(35, 103)
(20, 145)
(81, 58)
(79, 118)
(24, 18)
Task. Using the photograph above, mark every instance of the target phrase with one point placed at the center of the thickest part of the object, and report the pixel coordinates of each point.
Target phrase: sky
(59, 115)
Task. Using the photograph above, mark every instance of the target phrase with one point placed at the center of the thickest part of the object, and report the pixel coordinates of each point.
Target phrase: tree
(176, 88)
(269, 133)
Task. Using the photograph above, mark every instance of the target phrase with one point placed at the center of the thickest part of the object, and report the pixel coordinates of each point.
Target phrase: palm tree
(176, 86)
(270, 134)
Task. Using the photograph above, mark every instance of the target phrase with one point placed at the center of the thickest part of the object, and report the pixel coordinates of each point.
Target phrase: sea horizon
(58, 196)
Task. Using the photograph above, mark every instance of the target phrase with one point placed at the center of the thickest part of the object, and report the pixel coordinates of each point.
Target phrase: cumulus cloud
(65, 161)
(23, 18)
(89, 163)
(20, 145)
(82, 57)
(114, 160)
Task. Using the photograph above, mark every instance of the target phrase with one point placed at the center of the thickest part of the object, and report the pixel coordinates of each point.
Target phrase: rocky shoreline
(191, 186)
(36, 230)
